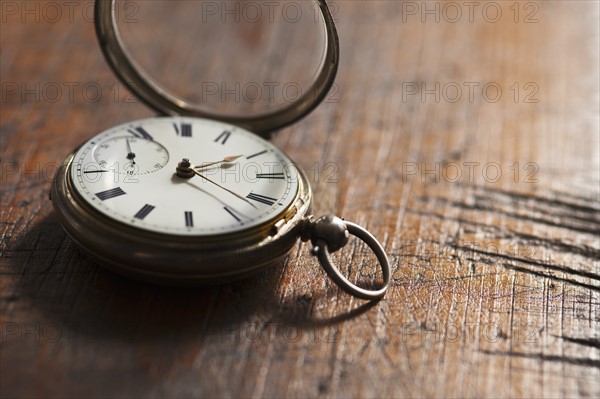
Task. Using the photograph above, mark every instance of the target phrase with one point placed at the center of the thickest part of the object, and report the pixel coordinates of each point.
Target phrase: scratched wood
(465, 139)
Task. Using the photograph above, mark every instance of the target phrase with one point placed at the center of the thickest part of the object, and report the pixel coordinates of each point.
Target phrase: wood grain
(487, 205)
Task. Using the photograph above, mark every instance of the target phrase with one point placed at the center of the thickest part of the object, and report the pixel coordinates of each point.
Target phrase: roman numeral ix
(112, 193)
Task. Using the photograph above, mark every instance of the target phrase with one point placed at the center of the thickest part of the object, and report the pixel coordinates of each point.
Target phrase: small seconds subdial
(131, 155)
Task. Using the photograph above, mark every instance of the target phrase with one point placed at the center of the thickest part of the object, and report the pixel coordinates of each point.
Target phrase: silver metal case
(174, 259)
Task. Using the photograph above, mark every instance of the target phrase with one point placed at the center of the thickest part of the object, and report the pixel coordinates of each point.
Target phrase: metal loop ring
(322, 252)
(132, 75)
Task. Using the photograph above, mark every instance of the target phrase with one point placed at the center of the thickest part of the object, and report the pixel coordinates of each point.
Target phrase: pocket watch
(192, 197)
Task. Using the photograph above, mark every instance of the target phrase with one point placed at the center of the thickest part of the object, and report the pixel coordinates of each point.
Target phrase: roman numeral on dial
(257, 154)
(223, 137)
(112, 193)
(189, 219)
(229, 211)
(141, 133)
(184, 129)
(279, 176)
(142, 213)
(263, 199)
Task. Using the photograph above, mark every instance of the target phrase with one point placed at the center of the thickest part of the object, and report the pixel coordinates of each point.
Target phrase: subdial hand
(224, 160)
(130, 154)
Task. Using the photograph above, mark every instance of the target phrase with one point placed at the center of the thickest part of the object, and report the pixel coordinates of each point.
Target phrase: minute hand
(220, 186)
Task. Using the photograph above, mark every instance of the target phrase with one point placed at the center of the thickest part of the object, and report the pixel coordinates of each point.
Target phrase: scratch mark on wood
(548, 358)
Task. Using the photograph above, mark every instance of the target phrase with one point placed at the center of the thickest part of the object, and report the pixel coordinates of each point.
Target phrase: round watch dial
(128, 173)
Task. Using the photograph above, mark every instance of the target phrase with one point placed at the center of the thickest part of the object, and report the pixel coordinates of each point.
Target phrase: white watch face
(128, 173)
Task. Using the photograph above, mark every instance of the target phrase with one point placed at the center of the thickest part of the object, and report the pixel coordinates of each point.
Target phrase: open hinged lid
(165, 101)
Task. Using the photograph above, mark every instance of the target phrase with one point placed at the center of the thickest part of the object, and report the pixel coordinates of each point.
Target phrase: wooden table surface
(464, 135)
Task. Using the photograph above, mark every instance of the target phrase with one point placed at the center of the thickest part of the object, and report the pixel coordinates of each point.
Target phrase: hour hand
(224, 160)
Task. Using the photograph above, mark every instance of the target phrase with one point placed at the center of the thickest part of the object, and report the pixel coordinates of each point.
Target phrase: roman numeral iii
(279, 176)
